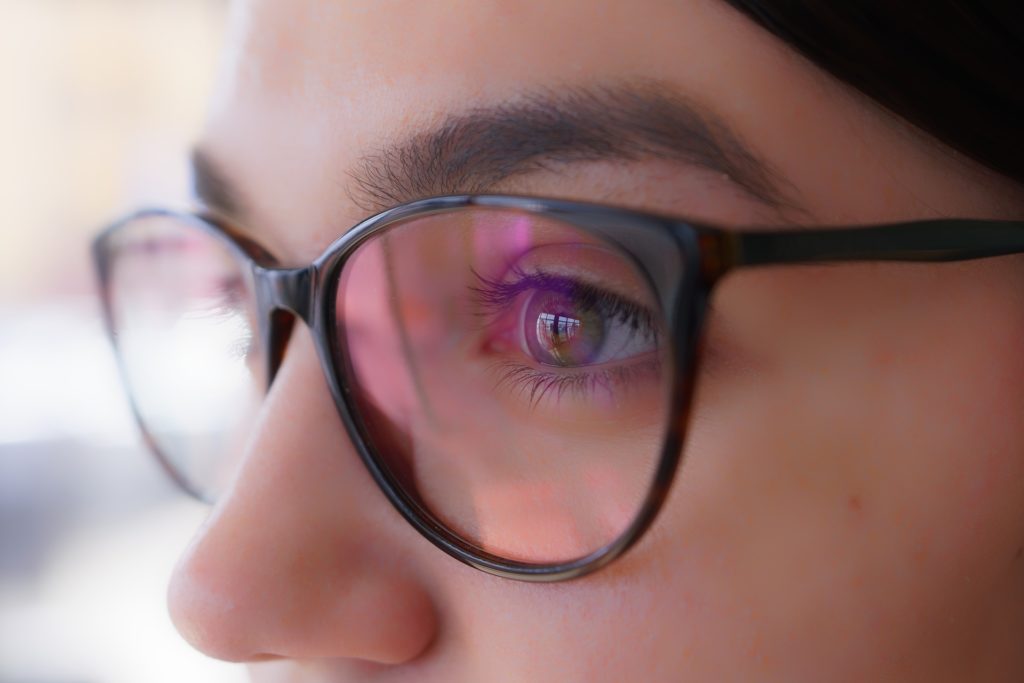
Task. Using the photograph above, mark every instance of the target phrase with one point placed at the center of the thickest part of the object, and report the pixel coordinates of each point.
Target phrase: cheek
(850, 506)
(855, 472)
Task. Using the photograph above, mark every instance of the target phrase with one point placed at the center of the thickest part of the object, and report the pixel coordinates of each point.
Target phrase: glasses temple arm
(933, 240)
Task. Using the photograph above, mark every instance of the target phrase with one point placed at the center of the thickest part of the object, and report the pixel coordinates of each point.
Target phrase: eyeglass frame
(683, 260)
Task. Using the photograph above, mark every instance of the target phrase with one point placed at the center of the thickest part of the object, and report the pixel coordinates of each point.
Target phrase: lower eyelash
(536, 384)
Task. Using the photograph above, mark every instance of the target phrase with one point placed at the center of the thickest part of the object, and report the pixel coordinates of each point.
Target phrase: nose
(303, 557)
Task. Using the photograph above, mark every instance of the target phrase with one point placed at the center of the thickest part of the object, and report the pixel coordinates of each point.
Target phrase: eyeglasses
(516, 373)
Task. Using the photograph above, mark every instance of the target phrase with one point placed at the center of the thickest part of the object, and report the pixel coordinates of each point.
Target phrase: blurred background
(99, 100)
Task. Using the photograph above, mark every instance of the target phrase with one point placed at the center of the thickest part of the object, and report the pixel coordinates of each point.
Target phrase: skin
(852, 503)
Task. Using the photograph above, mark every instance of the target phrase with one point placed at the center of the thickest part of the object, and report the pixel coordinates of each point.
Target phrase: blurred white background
(99, 100)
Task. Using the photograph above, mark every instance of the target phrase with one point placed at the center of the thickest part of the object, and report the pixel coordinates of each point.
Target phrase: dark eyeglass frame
(683, 261)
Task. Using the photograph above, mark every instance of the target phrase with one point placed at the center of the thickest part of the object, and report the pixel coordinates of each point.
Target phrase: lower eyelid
(649, 364)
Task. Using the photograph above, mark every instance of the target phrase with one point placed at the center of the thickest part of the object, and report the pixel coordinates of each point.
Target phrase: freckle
(855, 503)
(1020, 553)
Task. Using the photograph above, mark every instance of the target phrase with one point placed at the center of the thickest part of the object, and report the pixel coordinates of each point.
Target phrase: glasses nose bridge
(283, 295)
(291, 290)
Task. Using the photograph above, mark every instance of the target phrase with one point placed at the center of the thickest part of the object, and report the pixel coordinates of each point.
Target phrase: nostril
(380, 619)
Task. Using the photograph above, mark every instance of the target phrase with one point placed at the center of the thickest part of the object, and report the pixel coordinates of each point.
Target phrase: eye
(562, 329)
(578, 335)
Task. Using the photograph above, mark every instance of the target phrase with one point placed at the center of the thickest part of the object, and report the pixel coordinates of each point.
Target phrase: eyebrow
(474, 151)
(213, 187)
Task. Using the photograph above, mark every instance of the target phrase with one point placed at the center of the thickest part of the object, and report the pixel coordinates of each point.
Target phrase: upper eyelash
(497, 295)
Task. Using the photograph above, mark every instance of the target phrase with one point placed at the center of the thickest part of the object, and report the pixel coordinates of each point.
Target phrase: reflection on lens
(511, 374)
(182, 314)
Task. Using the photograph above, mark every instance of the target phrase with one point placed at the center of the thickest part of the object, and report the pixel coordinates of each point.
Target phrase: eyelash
(536, 384)
(231, 294)
(496, 297)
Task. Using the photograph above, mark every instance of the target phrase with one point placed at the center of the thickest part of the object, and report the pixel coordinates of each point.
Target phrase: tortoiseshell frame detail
(682, 260)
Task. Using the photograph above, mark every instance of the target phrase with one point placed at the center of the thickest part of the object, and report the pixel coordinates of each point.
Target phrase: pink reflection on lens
(502, 235)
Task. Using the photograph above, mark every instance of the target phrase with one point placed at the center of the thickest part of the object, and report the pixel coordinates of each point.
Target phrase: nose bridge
(281, 568)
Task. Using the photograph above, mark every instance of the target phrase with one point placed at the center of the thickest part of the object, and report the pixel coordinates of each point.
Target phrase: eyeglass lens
(183, 314)
(511, 372)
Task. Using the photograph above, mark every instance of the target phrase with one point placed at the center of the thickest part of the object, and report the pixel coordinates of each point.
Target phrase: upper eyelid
(499, 295)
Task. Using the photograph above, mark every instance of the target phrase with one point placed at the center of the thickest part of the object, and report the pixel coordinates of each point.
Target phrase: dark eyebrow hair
(213, 187)
(471, 152)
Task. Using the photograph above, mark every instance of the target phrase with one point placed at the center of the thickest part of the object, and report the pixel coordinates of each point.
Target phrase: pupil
(568, 340)
(560, 329)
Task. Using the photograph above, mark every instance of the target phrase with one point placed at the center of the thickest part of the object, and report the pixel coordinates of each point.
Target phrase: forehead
(366, 69)
(311, 86)
(478, 46)
(319, 83)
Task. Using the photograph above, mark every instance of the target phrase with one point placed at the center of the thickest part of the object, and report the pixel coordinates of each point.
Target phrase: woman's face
(852, 501)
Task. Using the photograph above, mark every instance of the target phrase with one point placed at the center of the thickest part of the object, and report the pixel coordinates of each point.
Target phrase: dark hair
(953, 68)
